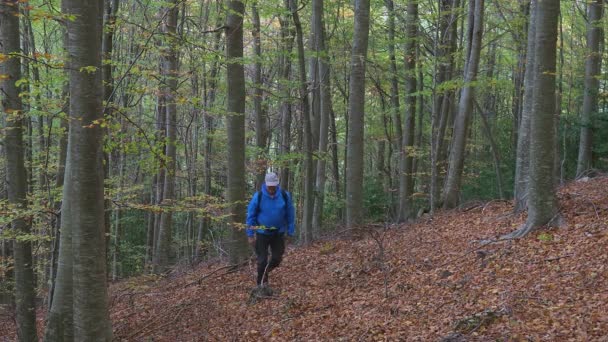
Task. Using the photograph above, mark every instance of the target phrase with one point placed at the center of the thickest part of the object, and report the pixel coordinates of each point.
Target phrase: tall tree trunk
(395, 110)
(170, 69)
(495, 153)
(325, 92)
(287, 37)
(592, 83)
(15, 168)
(522, 161)
(260, 123)
(83, 203)
(235, 126)
(542, 204)
(107, 45)
(406, 179)
(445, 46)
(461, 124)
(209, 128)
(356, 109)
(308, 182)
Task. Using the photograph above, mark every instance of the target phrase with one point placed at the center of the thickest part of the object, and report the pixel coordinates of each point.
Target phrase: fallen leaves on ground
(444, 277)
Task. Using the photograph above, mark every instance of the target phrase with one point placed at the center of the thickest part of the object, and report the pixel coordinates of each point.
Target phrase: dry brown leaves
(550, 286)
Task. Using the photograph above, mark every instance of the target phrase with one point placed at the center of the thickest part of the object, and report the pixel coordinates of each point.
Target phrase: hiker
(270, 223)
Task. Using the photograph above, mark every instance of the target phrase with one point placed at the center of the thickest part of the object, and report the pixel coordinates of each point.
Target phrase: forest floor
(435, 280)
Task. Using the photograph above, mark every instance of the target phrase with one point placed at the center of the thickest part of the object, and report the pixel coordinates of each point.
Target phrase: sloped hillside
(424, 282)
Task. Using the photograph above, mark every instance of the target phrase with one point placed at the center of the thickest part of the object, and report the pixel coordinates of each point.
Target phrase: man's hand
(288, 240)
(251, 240)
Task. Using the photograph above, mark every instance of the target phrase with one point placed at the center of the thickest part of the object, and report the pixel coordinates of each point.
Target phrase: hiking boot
(265, 290)
(261, 291)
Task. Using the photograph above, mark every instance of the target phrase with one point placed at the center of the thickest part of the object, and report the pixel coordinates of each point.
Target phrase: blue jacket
(274, 214)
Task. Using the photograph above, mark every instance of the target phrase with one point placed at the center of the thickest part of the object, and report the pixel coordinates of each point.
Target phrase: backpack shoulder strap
(259, 200)
(285, 197)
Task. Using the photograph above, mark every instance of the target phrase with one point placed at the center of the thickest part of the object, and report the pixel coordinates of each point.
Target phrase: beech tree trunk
(522, 161)
(465, 107)
(542, 203)
(170, 73)
(325, 92)
(406, 179)
(287, 37)
(356, 109)
(235, 127)
(590, 95)
(80, 306)
(260, 120)
(16, 179)
(308, 182)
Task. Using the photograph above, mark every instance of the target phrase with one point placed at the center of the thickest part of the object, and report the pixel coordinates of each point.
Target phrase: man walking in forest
(270, 223)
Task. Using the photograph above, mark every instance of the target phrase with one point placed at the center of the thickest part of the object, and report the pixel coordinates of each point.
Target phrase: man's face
(271, 189)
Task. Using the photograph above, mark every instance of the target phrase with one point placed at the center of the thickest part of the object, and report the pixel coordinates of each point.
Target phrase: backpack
(283, 193)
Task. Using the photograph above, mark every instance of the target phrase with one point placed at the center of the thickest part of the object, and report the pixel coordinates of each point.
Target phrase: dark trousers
(276, 242)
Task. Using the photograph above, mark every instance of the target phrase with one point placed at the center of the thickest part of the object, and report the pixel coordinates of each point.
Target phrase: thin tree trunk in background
(308, 138)
(150, 224)
(495, 151)
(522, 161)
(235, 127)
(325, 92)
(542, 204)
(118, 213)
(395, 107)
(170, 69)
(107, 45)
(335, 160)
(15, 168)
(313, 83)
(260, 123)
(519, 72)
(287, 37)
(209, 128)
(461, 125)
(356, 109)
(420, 126)
(445, 47)
(161, 132)
(406, 179)
(590, 95)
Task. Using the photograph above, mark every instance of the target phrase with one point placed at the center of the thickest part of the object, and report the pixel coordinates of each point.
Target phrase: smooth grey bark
(445, 46)
(107, 45)
(287, 37)
(406, 179)
(82, 218)
(59, 181)
(593, 65)
(259, 115)
(118, 214)
(161, 132)
(209, 128)
(308, 138)
(235, 127)
(170, 75)
(465, 107)
(324, 114)
(522, 160)
(314, 85)
(495, 152)
(395, 106)
(16, 180)
(542, 203)
(356, 109)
